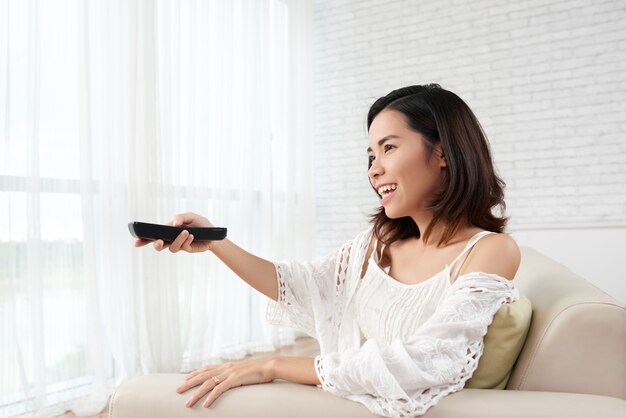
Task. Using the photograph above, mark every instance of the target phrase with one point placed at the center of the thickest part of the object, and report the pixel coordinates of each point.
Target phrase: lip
(387, 198)
(378, 186)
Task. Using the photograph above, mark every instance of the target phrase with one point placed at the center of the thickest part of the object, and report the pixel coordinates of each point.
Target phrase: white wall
(546, 78)
(595, 252)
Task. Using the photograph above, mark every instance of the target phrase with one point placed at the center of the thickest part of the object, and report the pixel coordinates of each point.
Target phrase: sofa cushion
(503, 343)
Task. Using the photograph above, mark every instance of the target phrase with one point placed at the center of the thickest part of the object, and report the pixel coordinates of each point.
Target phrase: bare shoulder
(496, 254)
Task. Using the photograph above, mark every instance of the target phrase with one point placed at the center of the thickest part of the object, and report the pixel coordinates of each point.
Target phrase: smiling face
(401, 159)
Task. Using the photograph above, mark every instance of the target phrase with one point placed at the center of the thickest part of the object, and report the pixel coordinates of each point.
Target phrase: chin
(391, 214)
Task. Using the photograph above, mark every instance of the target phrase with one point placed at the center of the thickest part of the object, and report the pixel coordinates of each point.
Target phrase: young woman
(401, 310)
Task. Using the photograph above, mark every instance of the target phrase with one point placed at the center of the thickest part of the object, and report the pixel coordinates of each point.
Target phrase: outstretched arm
(256, 271)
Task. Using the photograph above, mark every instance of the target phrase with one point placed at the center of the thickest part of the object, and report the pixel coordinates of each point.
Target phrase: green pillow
(503, 343)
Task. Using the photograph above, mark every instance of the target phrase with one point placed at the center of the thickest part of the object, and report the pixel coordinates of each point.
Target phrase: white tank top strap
(470, 244)
(379, 253)
(452, 265)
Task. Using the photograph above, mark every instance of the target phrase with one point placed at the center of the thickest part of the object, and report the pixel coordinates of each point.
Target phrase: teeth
(387, 188)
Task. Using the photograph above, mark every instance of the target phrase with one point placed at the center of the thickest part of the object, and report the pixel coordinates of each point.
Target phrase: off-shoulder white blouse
(387, 309)
(402, 367)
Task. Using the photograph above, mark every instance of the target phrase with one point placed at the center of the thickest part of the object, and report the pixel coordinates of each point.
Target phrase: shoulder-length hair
(472, 189)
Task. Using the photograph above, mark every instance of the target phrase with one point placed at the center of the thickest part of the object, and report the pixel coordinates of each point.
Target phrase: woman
(401, 310)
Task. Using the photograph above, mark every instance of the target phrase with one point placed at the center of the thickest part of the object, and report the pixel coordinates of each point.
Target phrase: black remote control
(167, 233)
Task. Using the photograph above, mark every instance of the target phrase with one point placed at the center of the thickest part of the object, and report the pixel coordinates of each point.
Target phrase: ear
(441, 156)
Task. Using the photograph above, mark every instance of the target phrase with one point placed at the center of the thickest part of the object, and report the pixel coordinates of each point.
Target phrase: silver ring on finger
(216, 379)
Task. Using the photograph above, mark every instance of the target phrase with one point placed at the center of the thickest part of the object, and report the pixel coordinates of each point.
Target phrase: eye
(371, 158)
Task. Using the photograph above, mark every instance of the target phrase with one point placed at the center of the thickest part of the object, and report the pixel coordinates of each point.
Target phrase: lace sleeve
(407, 378)
(301, 288)
(311, 295)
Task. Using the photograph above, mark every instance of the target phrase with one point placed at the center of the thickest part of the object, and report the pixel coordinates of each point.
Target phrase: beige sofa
(573, 364)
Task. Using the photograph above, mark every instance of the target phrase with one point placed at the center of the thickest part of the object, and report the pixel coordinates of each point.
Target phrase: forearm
(257, 272)
(295, 369)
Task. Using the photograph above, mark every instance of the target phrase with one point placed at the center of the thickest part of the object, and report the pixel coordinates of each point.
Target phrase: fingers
(189, 219)
(191, 375)
(201, 376)
(179, 241)
(197, 372)
(160, 245)
(191, 383)
(203, 390)
(217, 391)
(182, 242)
(200, 370)
(187, 244)
(209, 385)
(228, 377)
(183, 219)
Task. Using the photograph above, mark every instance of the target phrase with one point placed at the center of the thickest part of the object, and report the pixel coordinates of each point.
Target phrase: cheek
(420, 180)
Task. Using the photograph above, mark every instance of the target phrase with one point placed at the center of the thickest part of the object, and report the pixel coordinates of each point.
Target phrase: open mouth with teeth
(386, 190)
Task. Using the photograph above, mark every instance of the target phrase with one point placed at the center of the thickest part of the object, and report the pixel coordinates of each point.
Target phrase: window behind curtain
(60, 82)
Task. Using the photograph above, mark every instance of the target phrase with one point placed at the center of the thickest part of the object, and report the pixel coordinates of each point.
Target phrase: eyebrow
(382, 141)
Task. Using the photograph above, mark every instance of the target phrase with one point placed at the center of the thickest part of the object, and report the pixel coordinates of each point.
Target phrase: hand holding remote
(184, 241)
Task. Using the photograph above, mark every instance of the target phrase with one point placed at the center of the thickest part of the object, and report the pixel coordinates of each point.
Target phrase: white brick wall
(546, 78)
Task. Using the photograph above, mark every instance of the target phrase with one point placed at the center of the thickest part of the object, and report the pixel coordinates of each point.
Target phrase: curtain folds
(128, 110)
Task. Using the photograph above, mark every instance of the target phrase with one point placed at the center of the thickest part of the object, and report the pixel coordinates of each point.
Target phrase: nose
(375, 170)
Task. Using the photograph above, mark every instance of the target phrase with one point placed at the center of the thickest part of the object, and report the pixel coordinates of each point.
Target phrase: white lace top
(387, 309)
(400, 377)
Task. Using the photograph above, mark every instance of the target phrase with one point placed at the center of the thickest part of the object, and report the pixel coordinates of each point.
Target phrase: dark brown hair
(471, 186)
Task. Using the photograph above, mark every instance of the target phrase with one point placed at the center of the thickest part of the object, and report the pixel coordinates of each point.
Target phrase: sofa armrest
(575, 342)
(155, 396)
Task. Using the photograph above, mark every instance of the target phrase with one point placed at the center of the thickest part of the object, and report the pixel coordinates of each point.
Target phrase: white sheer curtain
(136, 110)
